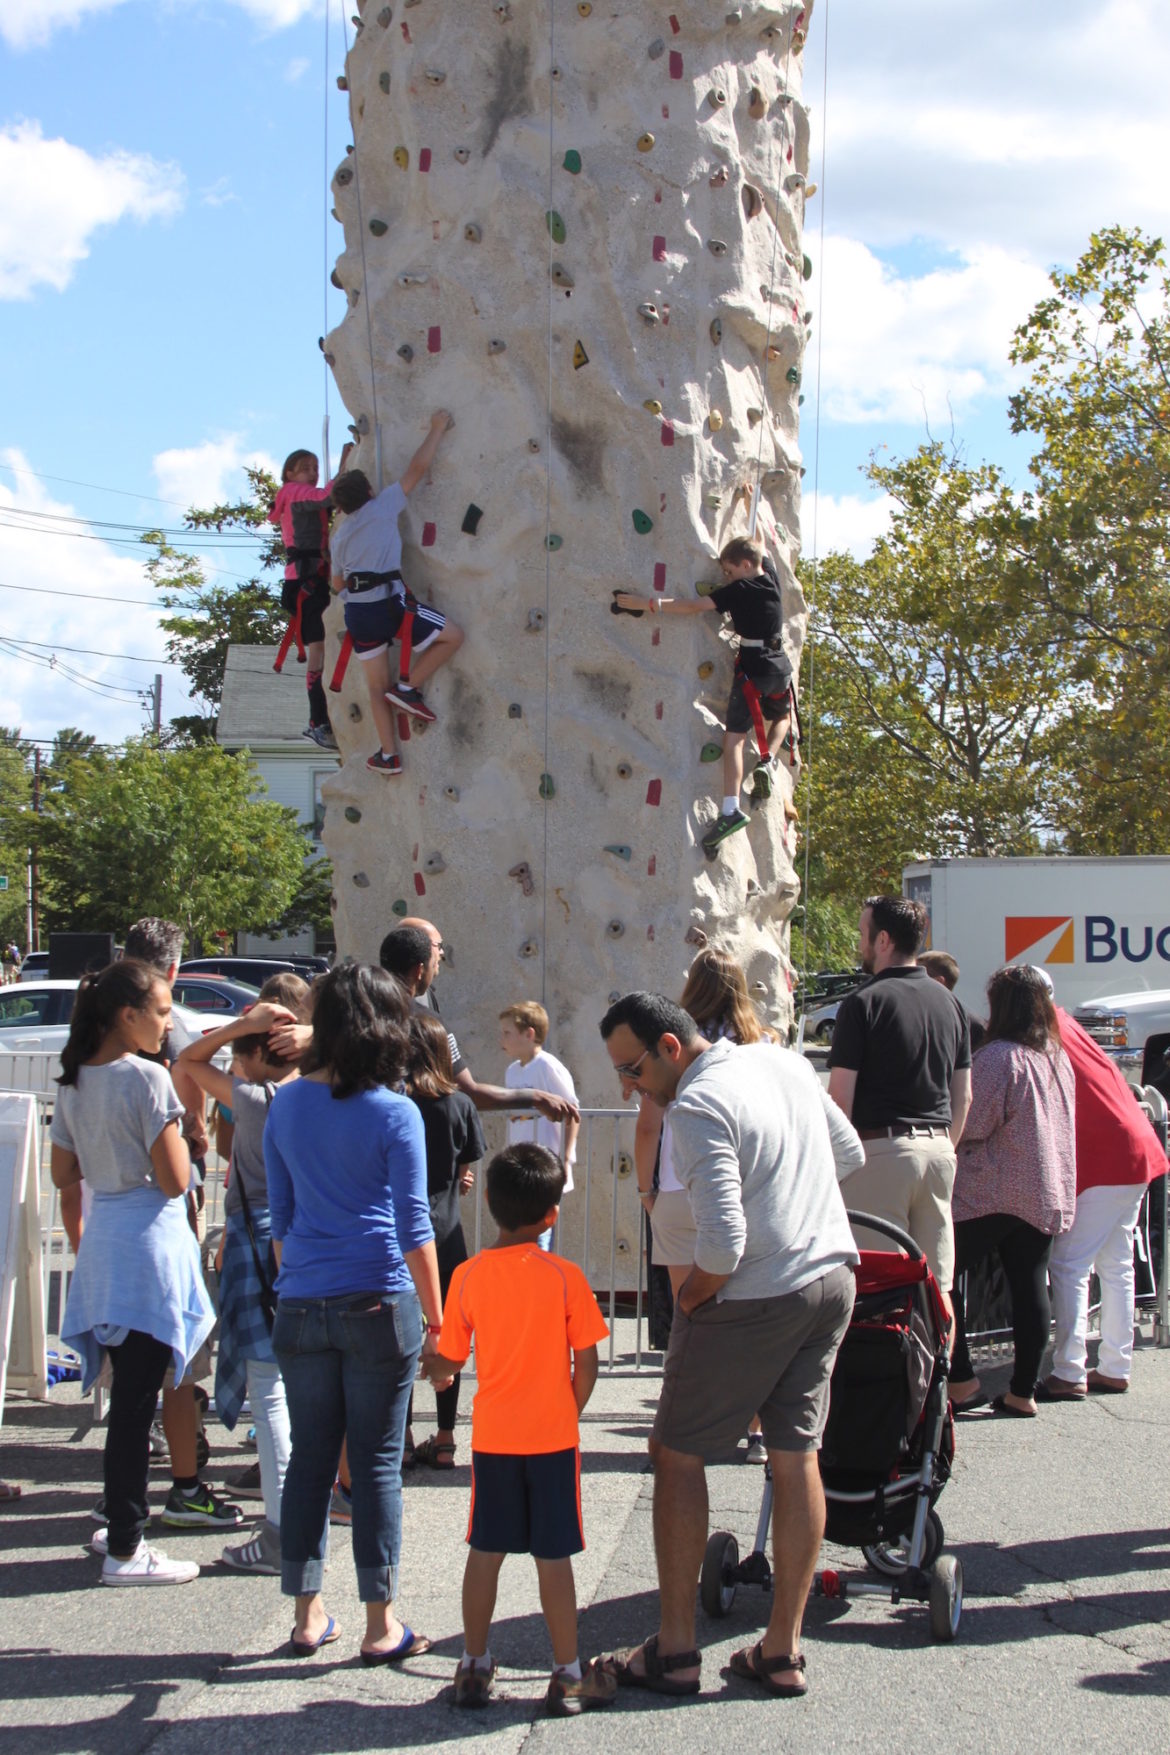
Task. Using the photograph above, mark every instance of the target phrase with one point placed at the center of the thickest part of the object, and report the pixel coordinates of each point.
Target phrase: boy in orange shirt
(528, 1311)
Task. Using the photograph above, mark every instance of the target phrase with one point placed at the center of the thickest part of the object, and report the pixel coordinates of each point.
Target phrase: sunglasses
(630, 1069)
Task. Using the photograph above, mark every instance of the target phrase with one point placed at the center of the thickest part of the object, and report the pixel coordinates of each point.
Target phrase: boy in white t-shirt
(523, 1033)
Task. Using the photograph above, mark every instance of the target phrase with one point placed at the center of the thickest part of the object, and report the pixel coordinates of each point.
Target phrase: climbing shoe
(384, 764)
(721, 828)
(762, 782)
(411, 702)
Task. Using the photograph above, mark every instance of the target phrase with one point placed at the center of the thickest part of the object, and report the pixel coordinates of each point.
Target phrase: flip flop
(1043, 1392)
(657, 1678)
(979, 1400)
(755, 1667)
(411, 1644)
(306, 1647)
(1106, 1385)
(1002, 1406)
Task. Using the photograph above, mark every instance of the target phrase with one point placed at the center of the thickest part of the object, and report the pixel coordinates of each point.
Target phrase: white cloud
(38, 699)
(846, 523)
(278, 14)
(915, 347)
(297, 68)
(218, 194)
(28, 24)
(209, 474)
(54, 196)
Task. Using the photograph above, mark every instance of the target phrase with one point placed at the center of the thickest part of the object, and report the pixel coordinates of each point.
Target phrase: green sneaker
(200, 1509)
(762, 782)
(721, 828)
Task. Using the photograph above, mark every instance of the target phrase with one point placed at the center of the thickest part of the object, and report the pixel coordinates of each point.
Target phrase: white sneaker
(148, 1566)
(100, 1541)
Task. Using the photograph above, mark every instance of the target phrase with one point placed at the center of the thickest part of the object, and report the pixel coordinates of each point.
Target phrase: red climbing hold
(676, 66)
(674, 24)
(404, 728)
(660, 249)
(660, 575)
(668, 432)
(666, 112)
(434, 339)
(656, 637)
(654, 792)
(652, 865)
(420, 889)
(650, 933)
(424, 158)
(428, 536)
(658, 709)
(406, 32)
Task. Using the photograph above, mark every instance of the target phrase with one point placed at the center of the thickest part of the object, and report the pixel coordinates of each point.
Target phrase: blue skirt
(138, 1268)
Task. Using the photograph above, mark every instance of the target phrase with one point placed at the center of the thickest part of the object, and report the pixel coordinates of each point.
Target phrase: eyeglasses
(630, 1069)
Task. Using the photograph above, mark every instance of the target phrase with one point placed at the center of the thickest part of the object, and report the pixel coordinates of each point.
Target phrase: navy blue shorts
(526, 1504)
(375, 626)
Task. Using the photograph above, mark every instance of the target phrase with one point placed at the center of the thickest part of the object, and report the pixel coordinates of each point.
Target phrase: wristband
(434, 1328)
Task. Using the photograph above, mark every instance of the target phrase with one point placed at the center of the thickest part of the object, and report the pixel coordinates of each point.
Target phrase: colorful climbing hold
(658, 249)
(657, 49)
(711, 752)
(434, 339)
(580, 357)
(401, 157)
(342, 82)
(384, 82)
(643, 524)
(619, 850)
(434, 75)
(572, 161)
(716, 246)
(420, 888)
(645, 142)
(716, 331)
(757, 105)
(676, 64)
(806, 267)
(654, 406)
(753, 201)
(385, 16)
(584, 8)
(343, 176)
(755, 416)
(434, 862)
(472, 233)
(471, 519)
(379, 227)
(547, 787)
(429, 532)
(399, 907)
(561, 276)
(649, 312)
(660, 575)
(515, 710)
(624, 770)
(715, 420)
(361, 880)
(352, 814)
(705, 669)
(406, 352)
(614, 929)
(462, 154)
(553, 541)
(717, 98)
(704, 587)
(793, 375)
(668, 432)
(654, 792)
(556, 227)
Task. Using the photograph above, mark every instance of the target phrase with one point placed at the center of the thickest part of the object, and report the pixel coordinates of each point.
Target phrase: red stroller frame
(887, 1450)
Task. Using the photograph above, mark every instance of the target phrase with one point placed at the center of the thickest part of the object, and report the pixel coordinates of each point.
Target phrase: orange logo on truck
(1022, 931)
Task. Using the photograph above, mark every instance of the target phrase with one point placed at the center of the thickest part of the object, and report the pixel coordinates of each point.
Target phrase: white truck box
(1101, 928)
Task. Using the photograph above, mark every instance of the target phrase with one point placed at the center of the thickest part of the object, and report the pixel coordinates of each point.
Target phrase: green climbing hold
(352, 814)
(556, 227)
(379, 227)
(547, 788)
(553, 541)
(384, 83)
(793, 375)
(572, 161)
(399, 907)
(806, 267)
(705, 587)
(621, 851)
(711, 752)
(643, 524)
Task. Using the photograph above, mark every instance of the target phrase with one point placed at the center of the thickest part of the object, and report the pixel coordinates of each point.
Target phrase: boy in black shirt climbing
(762, 697)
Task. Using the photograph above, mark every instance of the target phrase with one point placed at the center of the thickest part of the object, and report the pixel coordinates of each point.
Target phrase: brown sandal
(755, 1667)
(433, 1455)
(658, 1677)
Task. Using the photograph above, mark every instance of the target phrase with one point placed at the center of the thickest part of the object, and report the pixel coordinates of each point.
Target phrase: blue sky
(163, 267)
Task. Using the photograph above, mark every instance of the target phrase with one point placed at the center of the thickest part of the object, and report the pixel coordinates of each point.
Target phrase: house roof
(260, 707)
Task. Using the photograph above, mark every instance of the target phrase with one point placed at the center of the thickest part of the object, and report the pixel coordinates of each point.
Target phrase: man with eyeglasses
(759, 1147)
(413, 952)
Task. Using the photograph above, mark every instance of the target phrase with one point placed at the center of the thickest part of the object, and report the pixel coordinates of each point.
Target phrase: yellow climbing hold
(715, 420)
(645, 142)
(401, 157)
(584, 8)
(580, 357)
(705, 669)
(654, 406)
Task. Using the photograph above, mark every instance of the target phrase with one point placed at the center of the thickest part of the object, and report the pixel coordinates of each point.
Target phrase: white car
(34, 1017)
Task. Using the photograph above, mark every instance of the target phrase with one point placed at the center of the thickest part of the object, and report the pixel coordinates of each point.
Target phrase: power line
(115, 541)
(250, 535)
(90, 597)
(86, 651)
(123, 493)
(92, 685)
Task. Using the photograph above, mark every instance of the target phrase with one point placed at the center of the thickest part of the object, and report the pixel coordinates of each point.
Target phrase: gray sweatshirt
(758, 1146)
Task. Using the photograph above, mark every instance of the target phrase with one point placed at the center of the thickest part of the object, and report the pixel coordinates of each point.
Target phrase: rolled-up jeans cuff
(375, 1584)
(302, 1578)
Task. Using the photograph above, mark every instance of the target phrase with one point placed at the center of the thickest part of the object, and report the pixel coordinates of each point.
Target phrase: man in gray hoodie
(759, 1148)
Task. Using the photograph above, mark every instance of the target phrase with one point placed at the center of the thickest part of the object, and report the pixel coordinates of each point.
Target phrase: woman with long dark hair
(137, 1290)
(1016, 1181)
(358, 1295)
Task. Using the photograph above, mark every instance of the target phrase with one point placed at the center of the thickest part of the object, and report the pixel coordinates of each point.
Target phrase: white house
(266, 713)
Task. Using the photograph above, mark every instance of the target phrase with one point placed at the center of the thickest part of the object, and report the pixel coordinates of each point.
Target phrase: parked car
(254, 971)
(214, 997)
(35, 966)
(34, 1016)
(818, 1023)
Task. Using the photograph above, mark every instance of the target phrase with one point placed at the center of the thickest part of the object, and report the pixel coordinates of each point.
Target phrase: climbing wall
(577, 227)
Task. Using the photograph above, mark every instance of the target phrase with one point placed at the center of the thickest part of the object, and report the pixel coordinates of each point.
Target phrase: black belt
(903, 1130)
(356, 583)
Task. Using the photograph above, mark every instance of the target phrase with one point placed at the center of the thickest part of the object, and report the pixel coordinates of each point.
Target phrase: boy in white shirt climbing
(523, 1033)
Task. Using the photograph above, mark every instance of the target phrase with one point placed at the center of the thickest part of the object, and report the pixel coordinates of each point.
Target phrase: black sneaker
(722, 827)
(762, 781)
(322, 736)
(402, 695)
(385, 764)
(200, 1508)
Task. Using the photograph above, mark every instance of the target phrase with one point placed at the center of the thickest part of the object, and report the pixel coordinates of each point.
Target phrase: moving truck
(1101, 928)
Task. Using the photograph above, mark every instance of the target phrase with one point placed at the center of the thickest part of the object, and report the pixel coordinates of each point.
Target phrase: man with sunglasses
(413, 951)
(759, 1148)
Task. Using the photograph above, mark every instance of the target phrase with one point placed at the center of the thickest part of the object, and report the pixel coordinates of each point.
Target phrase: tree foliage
(16, 786)
(176, 833)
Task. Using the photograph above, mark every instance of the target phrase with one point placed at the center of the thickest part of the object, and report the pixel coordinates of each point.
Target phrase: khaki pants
(909, 1182)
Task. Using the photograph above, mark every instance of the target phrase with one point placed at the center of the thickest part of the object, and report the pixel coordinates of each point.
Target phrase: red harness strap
(291, 633)
(752, 696)
(339, 669)
(406, 636)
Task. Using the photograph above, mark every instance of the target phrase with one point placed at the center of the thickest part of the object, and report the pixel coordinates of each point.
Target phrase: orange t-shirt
(527, 1310)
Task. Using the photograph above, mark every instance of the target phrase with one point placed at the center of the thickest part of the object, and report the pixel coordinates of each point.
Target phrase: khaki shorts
(908, 1182)
(673, 1226)
(771, 1356)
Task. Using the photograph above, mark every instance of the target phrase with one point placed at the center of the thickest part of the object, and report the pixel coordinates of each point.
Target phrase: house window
(320, 775)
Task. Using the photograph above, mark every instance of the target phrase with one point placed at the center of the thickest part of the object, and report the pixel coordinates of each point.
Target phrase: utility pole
(34, 900)
(156, 703)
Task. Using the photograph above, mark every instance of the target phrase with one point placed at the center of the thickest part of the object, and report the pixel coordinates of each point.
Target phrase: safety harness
(751, 695)
(307, 554)
(402, 630)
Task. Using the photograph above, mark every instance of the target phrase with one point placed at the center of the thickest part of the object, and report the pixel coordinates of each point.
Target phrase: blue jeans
(348, 1365)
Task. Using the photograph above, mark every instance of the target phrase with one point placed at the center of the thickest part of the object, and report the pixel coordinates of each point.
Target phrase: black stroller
(887, 1449)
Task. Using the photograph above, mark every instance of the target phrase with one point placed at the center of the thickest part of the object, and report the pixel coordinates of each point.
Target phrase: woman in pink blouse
(1016, 1182)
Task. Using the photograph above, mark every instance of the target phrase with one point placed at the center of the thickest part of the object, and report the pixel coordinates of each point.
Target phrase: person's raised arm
(195, 1060)
(663, 605)
(441, 422)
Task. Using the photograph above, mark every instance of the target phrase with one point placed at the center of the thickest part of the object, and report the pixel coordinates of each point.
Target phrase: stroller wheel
(892, 1558)
(946, 1598)
(717, 1584)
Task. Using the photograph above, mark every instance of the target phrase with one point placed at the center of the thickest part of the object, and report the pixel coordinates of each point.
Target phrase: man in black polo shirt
(900, 1068)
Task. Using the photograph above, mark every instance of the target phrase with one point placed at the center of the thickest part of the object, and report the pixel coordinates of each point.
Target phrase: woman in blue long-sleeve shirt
(359, 1295)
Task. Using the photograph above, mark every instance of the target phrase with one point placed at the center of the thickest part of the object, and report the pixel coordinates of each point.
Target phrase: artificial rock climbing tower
(578, 227)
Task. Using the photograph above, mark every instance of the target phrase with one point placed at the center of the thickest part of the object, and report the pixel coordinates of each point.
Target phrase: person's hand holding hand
(466, 1180)
(433, 1365)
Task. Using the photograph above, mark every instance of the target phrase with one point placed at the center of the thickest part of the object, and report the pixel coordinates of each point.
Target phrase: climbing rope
(777, 201)
(365, 289)
(816, 502)
(325, 255)
(552, 61)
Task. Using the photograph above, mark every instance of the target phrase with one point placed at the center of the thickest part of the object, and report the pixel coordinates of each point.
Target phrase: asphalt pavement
(1061, 1525)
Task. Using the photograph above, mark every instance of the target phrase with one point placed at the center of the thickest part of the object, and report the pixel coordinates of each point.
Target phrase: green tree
(207, 616)
(178, 833)
(15, 786)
